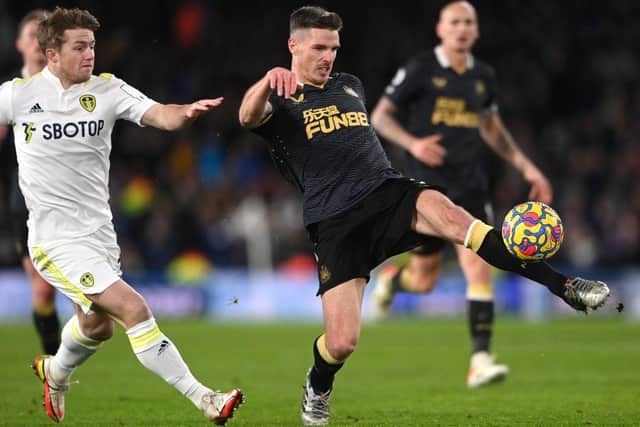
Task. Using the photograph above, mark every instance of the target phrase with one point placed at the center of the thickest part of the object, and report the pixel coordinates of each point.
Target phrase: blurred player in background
(357, 209)
(449, 98)
(62, 121)
(43, 294)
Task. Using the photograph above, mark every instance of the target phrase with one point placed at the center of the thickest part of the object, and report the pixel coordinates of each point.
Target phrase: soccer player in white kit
(62, 119)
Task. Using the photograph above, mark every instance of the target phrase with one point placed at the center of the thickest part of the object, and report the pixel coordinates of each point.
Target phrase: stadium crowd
(568, 91)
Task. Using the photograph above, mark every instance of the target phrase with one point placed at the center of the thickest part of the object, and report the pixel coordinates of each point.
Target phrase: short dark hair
(37, 15)
(314, 17)
(51, 30)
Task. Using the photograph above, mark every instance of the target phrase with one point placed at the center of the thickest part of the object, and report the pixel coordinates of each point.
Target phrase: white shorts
(88, 265)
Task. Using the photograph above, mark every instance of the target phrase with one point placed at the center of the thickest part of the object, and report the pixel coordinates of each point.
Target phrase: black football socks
(493, 250)
(48, 328)
(323, 372)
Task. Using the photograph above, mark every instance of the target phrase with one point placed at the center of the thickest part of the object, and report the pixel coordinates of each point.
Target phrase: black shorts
(477, 204)
(351, 244)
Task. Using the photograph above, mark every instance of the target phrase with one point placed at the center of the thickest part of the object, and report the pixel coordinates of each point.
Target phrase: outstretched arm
(497, 137)
(255, 104)
(174, 117)
(426, 149)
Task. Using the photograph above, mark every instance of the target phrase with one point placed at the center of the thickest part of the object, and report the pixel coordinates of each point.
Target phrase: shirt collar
(56, 81)
(444, 62)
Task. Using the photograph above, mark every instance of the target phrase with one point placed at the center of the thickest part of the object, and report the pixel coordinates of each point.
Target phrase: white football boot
(315, 407)
(484, 370)
(53, 393)
(218, 407)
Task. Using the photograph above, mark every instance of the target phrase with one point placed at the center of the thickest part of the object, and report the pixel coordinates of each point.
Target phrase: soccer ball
(532, 231)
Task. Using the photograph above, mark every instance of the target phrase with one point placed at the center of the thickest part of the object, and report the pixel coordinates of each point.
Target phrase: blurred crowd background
(568, 91)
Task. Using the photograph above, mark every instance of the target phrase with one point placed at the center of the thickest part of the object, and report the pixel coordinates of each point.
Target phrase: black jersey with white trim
(321, 141)
(433, 98)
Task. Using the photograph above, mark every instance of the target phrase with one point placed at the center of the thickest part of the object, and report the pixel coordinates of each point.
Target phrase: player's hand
(428, 150)
(541, 189)
(283, 81)
(202, 106)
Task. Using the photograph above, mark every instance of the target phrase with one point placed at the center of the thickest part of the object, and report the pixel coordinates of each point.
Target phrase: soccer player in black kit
(45, 317)
(358, 210)
(449, 99)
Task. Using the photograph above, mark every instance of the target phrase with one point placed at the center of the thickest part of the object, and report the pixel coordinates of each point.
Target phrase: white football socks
(74, 349)
(158, 354)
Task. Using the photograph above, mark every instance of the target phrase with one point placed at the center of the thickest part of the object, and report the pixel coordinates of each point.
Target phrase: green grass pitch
(579, 371)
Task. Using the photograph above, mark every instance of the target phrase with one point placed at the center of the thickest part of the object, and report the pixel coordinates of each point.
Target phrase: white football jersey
(63, 143)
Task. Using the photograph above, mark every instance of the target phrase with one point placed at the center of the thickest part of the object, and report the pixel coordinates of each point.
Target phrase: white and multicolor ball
(532, 231)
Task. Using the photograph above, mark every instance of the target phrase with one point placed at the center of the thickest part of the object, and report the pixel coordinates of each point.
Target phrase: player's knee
(139, 312)
(134, 310)
(453, 219)
(457, 222)
(342, 347)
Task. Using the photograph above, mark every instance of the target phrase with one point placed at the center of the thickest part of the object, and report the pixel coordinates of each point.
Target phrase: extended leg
(159, 354)
(438, 216)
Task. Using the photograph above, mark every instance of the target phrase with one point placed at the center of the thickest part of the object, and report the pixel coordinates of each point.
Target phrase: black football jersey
(436, 99)
(321, 141)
